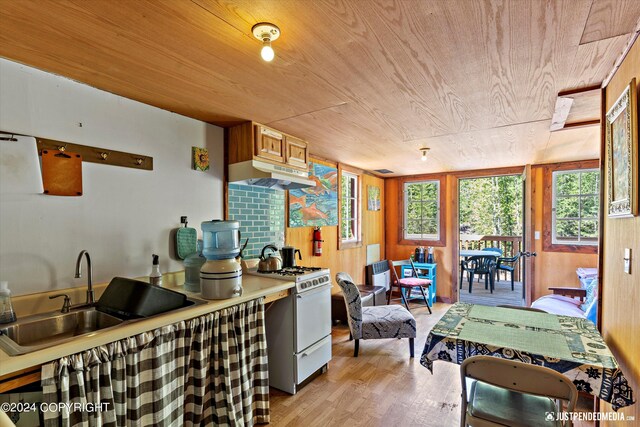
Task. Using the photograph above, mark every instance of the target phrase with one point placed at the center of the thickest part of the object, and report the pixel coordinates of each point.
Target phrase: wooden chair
(407, 283)
(506, 392)
(382, 321)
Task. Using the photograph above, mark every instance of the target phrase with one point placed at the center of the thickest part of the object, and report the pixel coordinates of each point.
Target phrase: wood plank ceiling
(365, 82)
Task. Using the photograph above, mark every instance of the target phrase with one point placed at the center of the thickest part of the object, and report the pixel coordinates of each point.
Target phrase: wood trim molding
(603, 155)
(579, 90)
(20, 378)
(479, 173)
(547, 203)
(358, 172)
(442, 241)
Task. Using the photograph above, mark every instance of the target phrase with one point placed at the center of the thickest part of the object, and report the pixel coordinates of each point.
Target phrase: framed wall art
(316, 206)
(621, 129)
(373, 198)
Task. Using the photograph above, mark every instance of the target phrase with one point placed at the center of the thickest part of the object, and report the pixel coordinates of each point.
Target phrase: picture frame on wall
(373, 198)
(621, 129)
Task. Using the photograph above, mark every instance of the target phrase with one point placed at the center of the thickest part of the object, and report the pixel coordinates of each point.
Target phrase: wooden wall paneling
(352, 260)
(571, 145)
(610, 18)
(528, 234)
(620, 296)
(240, 142)
(393, 229)
(551, 268)
(199, 59)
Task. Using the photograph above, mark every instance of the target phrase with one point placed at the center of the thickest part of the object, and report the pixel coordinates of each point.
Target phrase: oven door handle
(313, 348)
(313, 291)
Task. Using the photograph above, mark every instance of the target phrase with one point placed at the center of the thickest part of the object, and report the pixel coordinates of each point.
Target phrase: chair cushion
(509, 407)
(387, 321)
(560, 305)
(414, 281)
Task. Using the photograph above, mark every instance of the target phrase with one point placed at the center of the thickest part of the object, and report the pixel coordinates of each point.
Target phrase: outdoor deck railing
(510, 245)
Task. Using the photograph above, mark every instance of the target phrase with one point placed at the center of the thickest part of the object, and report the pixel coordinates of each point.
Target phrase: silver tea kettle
(270, 263)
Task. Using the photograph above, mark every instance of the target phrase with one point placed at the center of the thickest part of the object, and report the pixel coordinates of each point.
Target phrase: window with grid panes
(422, 210)
(576, 200)
(349, 226)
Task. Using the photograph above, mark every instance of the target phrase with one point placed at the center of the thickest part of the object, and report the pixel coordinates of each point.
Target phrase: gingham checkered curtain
(211, 370)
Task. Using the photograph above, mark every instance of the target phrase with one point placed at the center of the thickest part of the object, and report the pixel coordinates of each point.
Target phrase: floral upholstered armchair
(386, 321)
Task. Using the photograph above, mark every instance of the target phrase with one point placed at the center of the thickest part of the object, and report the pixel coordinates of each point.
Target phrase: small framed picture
(200, 158)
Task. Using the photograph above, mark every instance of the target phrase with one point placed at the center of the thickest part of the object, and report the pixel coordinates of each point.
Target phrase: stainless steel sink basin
(40, 331)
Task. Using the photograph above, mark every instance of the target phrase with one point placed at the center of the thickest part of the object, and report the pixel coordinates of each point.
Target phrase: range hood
(263, 174)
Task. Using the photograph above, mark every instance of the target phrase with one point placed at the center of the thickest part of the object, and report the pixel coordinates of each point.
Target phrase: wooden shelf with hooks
(98, 155)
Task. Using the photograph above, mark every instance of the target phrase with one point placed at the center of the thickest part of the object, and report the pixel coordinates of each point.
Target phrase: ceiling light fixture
(424, 154)
(266, 33)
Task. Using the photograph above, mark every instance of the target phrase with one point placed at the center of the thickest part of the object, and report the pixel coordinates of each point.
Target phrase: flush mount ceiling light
(424, 154)
(266, 33)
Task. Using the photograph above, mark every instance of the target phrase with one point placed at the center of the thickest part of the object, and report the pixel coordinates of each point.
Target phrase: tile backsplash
(260, 211)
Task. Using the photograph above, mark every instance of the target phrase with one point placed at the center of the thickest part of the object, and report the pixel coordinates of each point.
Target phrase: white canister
(221, 279)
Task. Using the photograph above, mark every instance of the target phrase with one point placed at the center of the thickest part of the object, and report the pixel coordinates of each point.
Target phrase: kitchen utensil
(131, 299)
(289, 256)
(61, 173)
(273, 262)
(221, 279)
(221, 239)
(186, 240)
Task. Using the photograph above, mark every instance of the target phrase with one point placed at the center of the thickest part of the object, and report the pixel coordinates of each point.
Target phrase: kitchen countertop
(253, 288)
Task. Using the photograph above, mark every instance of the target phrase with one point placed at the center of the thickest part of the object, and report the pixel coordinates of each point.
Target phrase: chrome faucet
(90, 297)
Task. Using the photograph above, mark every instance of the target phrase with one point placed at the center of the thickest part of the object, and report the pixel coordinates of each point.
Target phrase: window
(576, 201)
(422, 210)
(349, 208)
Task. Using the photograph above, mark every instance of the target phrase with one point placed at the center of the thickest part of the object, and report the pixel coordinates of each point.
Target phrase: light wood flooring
(380, 387)
(502, 293)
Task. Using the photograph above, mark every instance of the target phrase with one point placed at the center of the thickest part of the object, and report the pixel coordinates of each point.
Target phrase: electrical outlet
(627, 260)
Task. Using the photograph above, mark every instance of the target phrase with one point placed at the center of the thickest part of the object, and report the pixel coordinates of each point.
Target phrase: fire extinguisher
(317, 242)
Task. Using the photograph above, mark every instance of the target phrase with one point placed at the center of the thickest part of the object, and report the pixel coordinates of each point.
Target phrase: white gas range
(298, 327)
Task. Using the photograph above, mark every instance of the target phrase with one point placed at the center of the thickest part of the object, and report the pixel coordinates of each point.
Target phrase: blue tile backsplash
(260, 211)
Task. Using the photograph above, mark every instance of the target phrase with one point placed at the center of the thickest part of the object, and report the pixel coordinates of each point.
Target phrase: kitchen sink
(40, 331)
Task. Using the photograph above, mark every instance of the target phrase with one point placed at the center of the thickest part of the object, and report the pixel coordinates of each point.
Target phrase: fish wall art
(316, 206)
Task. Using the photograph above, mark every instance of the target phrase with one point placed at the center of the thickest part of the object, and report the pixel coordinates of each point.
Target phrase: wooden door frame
(528, 233)
(455, 216)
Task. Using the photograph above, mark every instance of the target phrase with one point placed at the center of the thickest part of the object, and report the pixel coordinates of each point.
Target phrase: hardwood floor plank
(380, 387)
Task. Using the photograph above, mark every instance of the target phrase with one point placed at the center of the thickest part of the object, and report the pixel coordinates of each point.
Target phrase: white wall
(124, 215)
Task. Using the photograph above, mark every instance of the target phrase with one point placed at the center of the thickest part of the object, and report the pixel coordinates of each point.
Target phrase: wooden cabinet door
(296, 153)
(269, 144)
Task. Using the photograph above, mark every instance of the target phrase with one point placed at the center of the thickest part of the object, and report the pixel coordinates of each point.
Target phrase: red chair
(408, 283)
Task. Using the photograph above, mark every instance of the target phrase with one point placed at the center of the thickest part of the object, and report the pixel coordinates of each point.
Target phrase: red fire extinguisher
(317, 242)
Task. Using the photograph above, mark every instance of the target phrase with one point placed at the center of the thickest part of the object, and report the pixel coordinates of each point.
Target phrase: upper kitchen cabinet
(269, 144)
(296, 153)
(250, 141)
